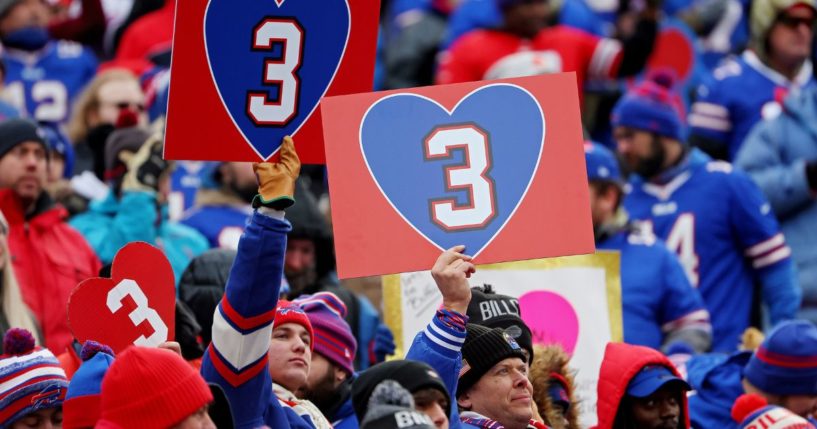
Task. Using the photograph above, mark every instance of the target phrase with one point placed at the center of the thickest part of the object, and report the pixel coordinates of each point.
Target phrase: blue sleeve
(709, 115)
(134, 220)
(368, 320)
(440, 346)
(784, 184)
(756, 230)
(683, 315)
(242, 325)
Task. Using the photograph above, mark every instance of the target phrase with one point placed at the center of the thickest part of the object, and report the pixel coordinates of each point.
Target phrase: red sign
(137, 305)
(497, 166)
(246, 73)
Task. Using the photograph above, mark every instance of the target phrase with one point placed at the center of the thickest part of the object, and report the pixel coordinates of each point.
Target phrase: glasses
(795, 22)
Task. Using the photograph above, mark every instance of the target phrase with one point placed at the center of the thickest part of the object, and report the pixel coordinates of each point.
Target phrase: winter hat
(16, 131)
(31, 376)
(412, 375)
(752, 411)
(483, 348)
(168, 390)
(559, 390)
(287, 312)
(333, 338)
(127, 136)
(81, 407)
(58, 142)
(763, 15)
(651, 106)
(602, 164)
(392, 407)
(786, 361)
(492, 310)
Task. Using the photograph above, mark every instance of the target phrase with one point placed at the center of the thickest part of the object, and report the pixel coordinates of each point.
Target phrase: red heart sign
(137, 305)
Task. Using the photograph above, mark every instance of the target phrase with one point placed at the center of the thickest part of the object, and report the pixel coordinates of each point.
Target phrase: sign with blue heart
(246, 73)
(497, 167)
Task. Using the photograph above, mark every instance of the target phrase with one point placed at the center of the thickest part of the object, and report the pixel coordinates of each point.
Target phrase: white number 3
(277, 72)
(140, 314)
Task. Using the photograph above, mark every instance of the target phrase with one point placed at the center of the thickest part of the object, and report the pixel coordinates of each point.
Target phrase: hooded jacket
(50, 258)
(717, 381)
(202, 286)
(621, 363)
(775, 155)
(547, 360)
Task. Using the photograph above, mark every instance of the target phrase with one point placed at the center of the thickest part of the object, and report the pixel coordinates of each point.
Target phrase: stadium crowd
(700, 124)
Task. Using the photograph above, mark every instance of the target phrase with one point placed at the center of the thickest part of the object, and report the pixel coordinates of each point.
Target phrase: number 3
(277, 72)
(472, 176)
(140, 314)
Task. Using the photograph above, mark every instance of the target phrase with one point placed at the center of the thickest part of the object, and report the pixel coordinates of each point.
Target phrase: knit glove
(145, 166)
(276, 181)
(811, 175)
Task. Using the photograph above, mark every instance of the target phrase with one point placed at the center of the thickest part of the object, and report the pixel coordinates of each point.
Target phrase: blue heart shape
(393, 139)
(229, 30)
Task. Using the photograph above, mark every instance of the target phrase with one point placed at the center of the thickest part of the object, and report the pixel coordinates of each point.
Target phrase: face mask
(27, 39)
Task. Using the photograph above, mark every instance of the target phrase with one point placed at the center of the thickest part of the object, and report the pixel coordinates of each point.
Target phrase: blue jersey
(656, 296)
(476, 14)
(722, 229)
(184, 183)
(222, 225)
(737, 96)
(43, 84)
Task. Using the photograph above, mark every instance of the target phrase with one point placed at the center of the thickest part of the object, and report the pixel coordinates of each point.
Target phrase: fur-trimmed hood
(547, 360)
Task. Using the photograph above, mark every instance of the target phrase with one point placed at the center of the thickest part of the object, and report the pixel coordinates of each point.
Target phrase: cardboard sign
(246, 73)
(137, 305)
(497, 166)
(574, 301)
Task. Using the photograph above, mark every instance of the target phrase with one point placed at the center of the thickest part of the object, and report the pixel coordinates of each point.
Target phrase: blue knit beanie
(786, 361)
(652, 106)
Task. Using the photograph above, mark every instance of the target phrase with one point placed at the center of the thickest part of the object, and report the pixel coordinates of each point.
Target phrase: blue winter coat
(716, 381)
(775, 155)
(111, 223)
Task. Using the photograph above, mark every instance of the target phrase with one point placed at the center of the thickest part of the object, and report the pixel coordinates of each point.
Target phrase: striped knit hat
(786, 361)
(752, 411)
(31, 378)
(81, 408)
(332, 337)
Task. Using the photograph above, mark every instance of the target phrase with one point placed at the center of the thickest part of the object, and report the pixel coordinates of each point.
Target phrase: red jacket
(621, 363)
(148, 35)
(50, 258)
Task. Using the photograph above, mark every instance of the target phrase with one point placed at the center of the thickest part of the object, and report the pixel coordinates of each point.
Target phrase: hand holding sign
(135, 306)
(451, 273)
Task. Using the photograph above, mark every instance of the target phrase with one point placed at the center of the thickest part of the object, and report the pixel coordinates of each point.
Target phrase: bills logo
(470, 167)
(279, 46)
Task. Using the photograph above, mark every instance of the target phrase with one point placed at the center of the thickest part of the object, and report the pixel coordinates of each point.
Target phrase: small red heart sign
(137, 305)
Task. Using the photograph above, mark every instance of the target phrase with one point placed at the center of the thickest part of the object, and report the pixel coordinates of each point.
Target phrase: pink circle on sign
(551, 318)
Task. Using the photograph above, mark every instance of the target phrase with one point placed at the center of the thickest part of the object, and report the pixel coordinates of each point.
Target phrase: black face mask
(651, 166)
(246, 193)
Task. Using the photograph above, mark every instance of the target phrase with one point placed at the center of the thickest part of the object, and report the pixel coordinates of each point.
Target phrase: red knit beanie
(150, 388)
(287, 312)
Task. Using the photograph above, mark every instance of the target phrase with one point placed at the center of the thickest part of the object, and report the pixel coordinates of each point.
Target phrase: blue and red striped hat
(786, 361)
(333, 337)
(31, 378)
(81, 407)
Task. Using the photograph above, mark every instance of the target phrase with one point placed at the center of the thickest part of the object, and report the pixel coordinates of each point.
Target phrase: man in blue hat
(660, 308)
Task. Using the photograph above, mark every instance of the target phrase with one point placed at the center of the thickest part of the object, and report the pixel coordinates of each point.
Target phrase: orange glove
(276, 181)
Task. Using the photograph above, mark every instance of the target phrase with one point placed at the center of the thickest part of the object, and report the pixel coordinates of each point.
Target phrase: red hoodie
(621, 363)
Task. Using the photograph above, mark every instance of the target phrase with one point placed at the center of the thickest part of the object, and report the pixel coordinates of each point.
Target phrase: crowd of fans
(703, 177)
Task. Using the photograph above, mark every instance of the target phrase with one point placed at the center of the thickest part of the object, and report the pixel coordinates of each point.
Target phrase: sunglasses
(794, 22)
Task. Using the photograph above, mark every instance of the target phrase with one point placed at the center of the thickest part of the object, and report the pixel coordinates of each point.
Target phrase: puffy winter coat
(621, 363)
(50, 258)
(202, 286)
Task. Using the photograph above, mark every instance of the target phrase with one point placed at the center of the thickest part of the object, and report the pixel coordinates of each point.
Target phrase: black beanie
(16, 131)
(500, 311)
(410, 374)
(484, 348)
(392, 407)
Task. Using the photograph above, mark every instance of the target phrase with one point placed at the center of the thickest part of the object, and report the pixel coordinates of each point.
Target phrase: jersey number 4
(681, 241)
(280, 73)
